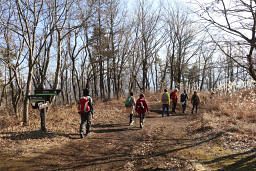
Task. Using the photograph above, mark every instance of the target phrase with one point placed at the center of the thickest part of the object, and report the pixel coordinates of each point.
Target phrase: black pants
(85, 117)
(184, 105)
(142, 116)
(174, 106)
(195, 105)
(131, 116)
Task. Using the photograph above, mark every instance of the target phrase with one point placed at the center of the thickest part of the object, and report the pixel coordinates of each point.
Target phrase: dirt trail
(162, 144)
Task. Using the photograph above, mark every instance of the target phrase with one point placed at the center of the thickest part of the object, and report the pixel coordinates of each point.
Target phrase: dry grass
(235, 112)
(62, 125)
(239, 105)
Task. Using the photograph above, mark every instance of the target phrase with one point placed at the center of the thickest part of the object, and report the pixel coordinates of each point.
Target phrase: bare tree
(207, 54)
(183, 44)
(236, 20)
(147, 29)
(28, 14)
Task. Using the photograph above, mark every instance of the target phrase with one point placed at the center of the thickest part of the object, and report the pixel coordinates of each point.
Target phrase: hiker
(166, 102)
(183, 100)
(174, 96)
(85, 109)
(141, 108)
(130, 106)
(211, 96)
(195, 101)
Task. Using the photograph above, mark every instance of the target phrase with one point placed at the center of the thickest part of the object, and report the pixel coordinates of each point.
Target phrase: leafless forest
(112, 47)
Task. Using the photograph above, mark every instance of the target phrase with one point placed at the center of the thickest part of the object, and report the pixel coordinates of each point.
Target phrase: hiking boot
(131, 123)
(81, 136)
(141, 125)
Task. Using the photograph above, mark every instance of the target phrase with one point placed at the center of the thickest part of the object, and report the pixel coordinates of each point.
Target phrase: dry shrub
(7, 118)
(202, 128)
(199, 126)
(240, 105)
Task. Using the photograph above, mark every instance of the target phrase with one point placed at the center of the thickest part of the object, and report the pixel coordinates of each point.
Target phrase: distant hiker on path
(166, 102)
(141, 108)
(183, 100)
(130, 107)
(174, 96)
(211, 96)
(195, 101)
(85, 109)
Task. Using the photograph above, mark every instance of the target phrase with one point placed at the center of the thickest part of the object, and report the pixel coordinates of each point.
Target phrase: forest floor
(204, 141)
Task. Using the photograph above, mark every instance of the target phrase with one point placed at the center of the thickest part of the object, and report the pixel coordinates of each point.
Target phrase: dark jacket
(138, 108)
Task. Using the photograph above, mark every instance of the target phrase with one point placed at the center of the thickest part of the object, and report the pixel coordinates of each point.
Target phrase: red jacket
(138, 108)
(174, 96)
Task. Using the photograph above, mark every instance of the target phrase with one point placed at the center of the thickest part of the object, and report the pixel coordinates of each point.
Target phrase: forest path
(162, 144)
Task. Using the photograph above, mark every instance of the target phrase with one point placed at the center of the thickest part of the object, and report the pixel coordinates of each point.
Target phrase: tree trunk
(28, 89)
(172, 66)
(59, 60)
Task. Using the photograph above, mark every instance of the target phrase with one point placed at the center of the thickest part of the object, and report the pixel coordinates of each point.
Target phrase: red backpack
(140, 106)
(83, 106)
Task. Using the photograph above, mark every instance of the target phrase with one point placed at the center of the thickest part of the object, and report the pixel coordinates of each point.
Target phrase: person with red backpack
(174, 96)
(85, 109)
(141, 108)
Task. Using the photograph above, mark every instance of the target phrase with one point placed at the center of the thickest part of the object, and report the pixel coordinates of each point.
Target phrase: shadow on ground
(112, 130)
(33, 135)
(107, 125)
(109, 153)
(241, 161)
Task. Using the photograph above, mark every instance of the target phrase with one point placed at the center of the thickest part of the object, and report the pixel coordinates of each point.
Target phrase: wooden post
(42, 116)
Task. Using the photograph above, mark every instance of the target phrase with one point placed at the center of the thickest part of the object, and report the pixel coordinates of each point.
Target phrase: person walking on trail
(195, 101)
(141, 108)
(166, 102)
(183, 100)
(130, 107)
(212, 95)
(174, 96)
(85, 109)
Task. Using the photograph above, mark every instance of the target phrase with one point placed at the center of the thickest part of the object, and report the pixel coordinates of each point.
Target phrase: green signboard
(42, 96)
(36, 98)
(47, 92)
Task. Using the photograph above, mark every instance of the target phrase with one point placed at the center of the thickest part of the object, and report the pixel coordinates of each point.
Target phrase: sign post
(40, 100)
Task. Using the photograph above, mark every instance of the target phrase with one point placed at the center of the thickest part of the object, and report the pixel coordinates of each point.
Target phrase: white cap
(176, 89)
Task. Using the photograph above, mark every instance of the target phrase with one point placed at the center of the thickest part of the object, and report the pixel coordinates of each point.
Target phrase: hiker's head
(86, 92)
(165, 90)
(185, 91)
(195, 92)
(141, 95)
(131, 93)
(176, 90)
